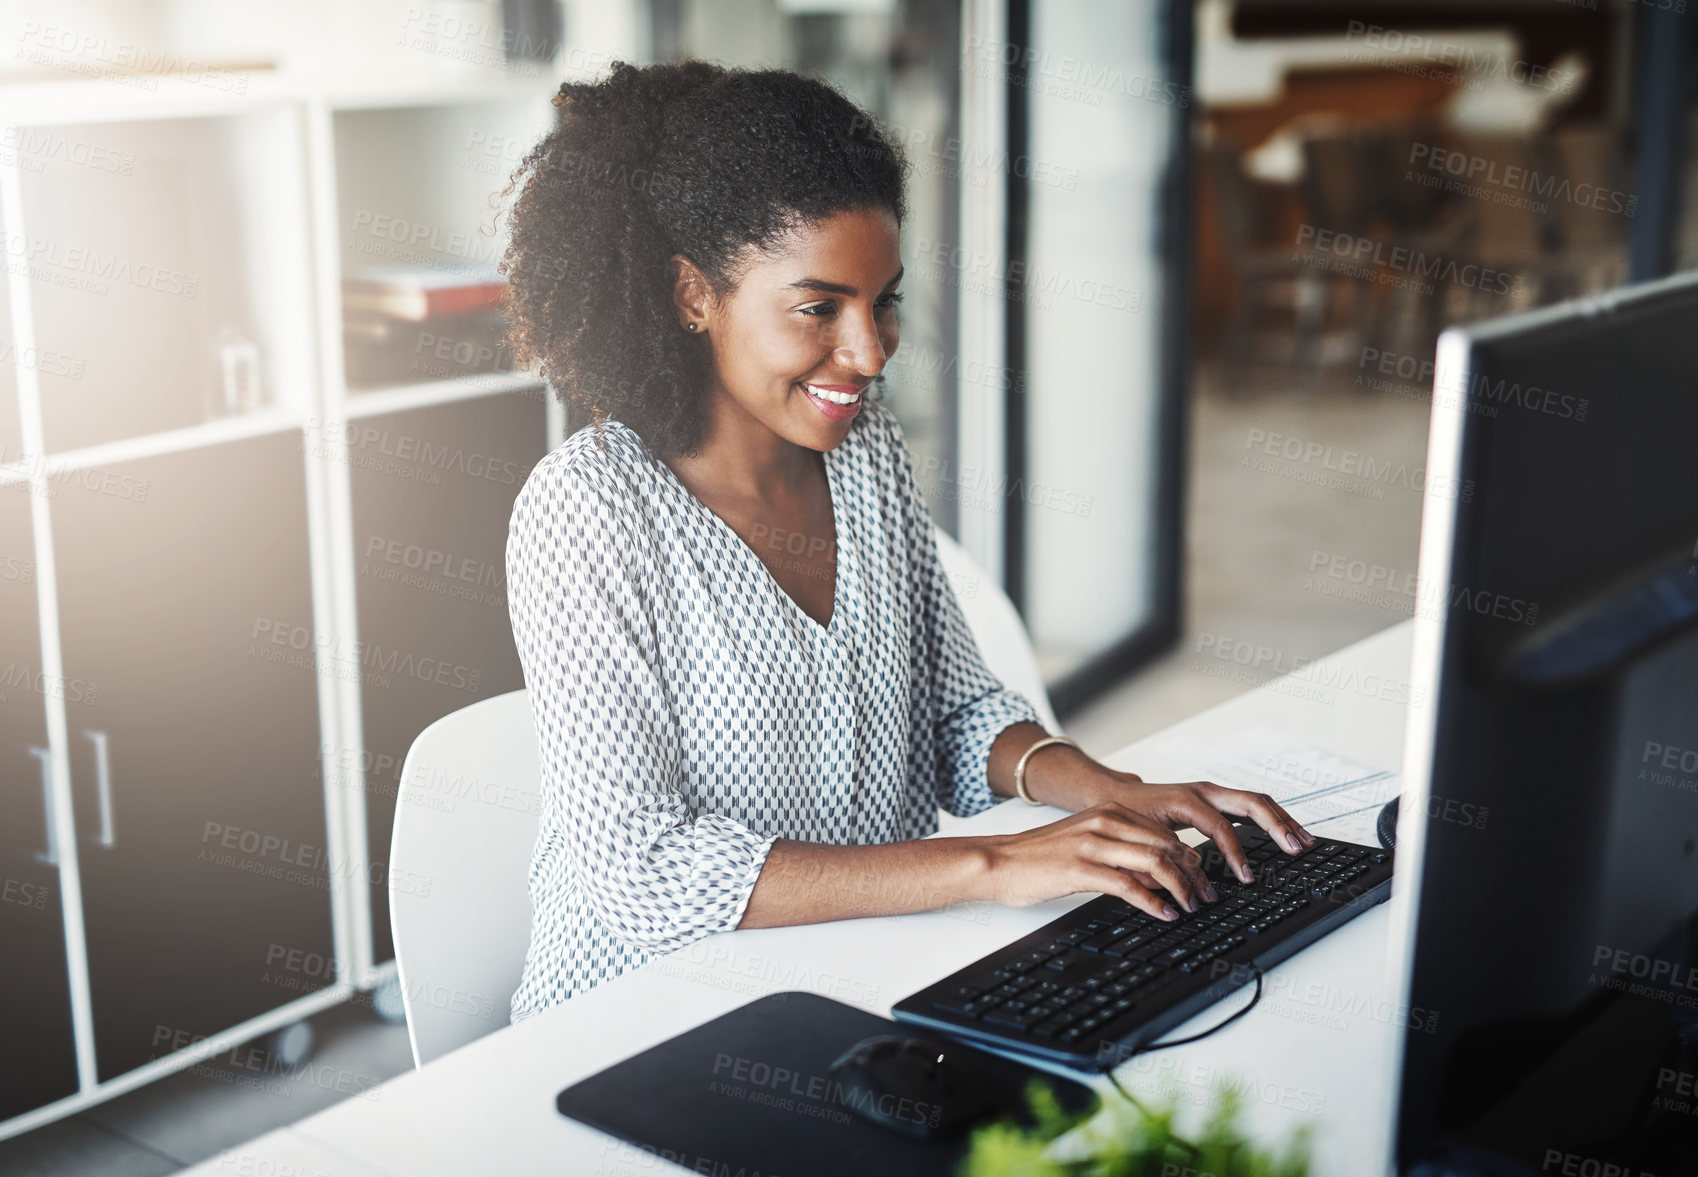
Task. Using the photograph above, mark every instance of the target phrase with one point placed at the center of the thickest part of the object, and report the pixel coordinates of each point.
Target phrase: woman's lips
(837, 401)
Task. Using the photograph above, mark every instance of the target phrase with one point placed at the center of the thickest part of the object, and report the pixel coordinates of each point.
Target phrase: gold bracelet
(1020, 768)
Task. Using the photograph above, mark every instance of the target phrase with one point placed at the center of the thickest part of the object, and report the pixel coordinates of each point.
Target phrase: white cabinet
(40, 1054)
(211, 615)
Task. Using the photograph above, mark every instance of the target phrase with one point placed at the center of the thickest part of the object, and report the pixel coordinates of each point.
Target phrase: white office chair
(996, 625)
(459, 905)
(466, 824)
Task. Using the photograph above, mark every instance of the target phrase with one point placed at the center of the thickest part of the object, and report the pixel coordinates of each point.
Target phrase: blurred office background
(1176, 271)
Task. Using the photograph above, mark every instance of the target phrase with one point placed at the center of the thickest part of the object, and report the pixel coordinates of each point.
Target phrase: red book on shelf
(418, 293)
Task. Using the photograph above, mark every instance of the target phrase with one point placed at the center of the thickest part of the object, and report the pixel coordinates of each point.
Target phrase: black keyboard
(1092, 986)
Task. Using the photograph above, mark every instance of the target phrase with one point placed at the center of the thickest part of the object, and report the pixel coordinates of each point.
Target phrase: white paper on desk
(1333, 796)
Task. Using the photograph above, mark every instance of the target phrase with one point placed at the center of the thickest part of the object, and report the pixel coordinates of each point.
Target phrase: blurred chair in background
(1593, 217)
(1265, 264)
(1429, 225)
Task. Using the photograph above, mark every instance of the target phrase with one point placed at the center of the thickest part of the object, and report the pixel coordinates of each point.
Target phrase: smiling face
(808, 326)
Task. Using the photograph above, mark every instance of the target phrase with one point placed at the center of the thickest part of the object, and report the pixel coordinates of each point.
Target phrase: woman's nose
(862, 350)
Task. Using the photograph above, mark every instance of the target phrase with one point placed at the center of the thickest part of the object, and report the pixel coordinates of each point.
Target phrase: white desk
(1316, 1050)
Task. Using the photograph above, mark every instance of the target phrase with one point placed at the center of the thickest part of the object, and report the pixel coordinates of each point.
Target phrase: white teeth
(836, 398)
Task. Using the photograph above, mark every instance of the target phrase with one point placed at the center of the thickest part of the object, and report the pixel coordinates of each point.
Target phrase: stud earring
(689, 326)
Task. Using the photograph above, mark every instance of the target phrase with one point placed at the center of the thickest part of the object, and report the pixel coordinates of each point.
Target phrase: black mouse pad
(751, 1092)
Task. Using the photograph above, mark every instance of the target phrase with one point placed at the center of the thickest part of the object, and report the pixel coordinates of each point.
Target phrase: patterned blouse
(690, 712)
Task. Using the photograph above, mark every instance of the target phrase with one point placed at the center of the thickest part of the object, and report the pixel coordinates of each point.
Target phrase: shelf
(173, 275)
(365, 402)
(403, 199)
(231, 92)
(167, 442)
(419, 185)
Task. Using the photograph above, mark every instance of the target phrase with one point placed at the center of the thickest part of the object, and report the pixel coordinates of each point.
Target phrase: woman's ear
(690, 295)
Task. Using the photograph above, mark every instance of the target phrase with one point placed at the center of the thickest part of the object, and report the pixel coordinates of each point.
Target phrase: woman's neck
(740, 457)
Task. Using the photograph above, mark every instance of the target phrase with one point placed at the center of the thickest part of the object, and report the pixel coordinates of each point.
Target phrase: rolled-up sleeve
(588, 640)
(968, 705)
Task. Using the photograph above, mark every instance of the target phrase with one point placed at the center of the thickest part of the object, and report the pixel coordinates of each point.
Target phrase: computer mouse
(1386, 826)
(919, 1086)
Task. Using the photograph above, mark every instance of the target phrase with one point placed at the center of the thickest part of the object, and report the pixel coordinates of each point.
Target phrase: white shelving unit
(195, 734)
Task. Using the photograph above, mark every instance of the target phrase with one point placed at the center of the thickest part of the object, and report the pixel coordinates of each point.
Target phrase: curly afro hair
(679, 158)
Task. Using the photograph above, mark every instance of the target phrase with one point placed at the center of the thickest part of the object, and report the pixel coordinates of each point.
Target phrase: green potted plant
(1124, 1138)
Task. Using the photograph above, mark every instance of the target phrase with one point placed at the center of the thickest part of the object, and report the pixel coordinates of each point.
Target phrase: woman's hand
(1203, 805)
(1110, 848)
(1121, 841)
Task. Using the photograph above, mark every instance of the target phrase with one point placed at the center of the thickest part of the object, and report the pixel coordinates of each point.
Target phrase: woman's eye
(825, 310)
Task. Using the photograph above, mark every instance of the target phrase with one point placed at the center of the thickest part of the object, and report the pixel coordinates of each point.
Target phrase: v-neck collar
(843, 553)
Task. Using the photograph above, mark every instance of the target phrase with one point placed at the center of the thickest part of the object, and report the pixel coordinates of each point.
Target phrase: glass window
(1092, 464)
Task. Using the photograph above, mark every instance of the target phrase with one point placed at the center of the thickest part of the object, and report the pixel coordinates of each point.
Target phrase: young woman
(751, 680)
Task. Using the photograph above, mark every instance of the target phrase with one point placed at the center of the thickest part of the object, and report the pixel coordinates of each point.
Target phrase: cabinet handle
(51, 855)
(103, 787)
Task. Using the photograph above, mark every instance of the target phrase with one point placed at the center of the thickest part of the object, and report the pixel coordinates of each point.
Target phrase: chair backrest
(1592, 161)
(996, 625)
(466, 823)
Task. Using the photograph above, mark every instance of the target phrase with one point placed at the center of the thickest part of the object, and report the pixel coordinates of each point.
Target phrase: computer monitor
(1545, 917)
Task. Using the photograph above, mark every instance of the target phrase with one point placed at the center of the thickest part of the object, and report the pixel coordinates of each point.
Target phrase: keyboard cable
(1183, 1143)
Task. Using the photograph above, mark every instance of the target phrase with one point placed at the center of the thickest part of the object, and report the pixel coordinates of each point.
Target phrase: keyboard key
(1066, 960)
(1173, 956)
(1081, 1009)
(1128, 945)
(972, 1008)
(1117, 1025)
(1013, 1019)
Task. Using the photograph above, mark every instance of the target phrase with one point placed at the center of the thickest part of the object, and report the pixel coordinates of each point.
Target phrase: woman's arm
(809, 882)
(1069, 779)
(654, 873)
(1119, 841)
(1110, 849)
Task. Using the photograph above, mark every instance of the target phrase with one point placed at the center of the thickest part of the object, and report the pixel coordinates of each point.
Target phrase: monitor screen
(1548, 842)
